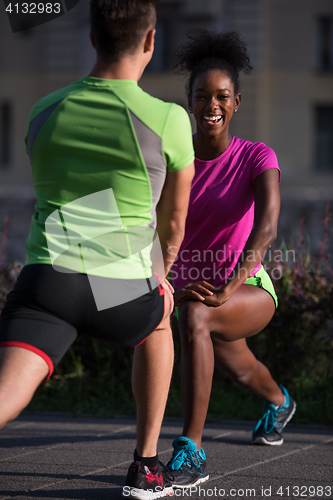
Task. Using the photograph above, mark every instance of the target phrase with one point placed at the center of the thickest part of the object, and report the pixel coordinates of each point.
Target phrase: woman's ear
(238, 99)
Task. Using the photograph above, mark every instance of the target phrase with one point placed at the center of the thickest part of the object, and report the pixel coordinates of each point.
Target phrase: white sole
(139, 494)
(262, 440)
(290, 416)
(184, 486)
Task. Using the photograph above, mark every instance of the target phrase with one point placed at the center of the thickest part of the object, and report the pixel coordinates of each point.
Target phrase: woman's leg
(238, 361)
(197, 366)
(246, 313)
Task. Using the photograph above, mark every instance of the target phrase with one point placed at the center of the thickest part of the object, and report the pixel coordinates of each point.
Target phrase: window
(324, 150)
(325, 43)
(6, 124)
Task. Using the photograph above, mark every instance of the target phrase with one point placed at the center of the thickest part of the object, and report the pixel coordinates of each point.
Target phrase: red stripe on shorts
(160, 287)
(162, 292)
(29, 347)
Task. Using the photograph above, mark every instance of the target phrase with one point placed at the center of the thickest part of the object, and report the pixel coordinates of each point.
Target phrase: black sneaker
(269, 428)
(145, 483)
(187, 465)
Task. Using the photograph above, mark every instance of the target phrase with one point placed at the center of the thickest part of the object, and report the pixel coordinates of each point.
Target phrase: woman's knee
(194, 321)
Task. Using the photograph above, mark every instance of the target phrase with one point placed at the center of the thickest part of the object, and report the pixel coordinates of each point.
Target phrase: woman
(223, 293)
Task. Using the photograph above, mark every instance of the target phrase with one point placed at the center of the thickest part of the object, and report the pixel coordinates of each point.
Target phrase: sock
(150, 462)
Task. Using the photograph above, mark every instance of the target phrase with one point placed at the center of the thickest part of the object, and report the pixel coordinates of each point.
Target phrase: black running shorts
(47, 310)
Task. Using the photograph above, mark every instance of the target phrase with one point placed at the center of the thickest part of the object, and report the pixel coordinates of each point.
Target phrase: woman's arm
(266, 215)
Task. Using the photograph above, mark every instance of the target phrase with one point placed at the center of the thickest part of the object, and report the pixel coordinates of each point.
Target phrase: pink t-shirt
(221, 212)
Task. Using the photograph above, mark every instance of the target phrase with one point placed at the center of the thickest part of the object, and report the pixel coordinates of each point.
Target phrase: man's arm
(171, 213)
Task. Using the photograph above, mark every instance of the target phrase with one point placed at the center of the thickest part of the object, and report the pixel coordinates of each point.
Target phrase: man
(110, 165)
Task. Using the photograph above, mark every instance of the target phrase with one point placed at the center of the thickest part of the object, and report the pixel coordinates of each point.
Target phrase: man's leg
(151, 376)
(21, 372)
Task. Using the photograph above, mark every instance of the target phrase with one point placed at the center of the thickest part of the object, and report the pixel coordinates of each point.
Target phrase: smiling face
(213, 103)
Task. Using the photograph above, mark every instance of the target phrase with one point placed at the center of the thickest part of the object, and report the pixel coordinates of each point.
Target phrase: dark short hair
(119, 25)
(210, 50)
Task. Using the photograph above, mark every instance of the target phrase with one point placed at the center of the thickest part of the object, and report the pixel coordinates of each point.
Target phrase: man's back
(98, 135)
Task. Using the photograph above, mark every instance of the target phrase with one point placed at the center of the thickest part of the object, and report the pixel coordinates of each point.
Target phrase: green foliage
(92, 379)
(8, 274)
(297, 346)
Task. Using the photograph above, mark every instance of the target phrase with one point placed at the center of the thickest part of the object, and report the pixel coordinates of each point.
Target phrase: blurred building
(287, 101)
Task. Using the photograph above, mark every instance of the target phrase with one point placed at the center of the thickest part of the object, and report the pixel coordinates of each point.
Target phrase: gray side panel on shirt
(151, 150)
(37, 124)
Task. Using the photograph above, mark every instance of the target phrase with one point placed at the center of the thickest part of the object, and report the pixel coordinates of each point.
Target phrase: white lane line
(122, 429)
(13, 457)
(104, 469)
(42, 449)
(221, 435)
(262, 462)
(20, 425)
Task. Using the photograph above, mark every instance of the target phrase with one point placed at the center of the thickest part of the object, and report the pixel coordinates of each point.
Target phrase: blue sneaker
(269, 428)
(187, 465)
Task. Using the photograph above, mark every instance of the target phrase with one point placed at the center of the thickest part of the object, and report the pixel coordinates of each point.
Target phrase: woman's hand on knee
(194, 291)
(220, 297)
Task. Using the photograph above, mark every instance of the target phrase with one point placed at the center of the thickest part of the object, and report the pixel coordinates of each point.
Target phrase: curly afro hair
(210, 50)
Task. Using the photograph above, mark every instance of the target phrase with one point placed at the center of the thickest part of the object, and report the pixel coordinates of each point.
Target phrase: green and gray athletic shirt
(100, 150)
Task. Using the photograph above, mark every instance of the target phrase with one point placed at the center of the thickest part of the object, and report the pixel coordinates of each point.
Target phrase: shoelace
(184, 455)
(268, 419)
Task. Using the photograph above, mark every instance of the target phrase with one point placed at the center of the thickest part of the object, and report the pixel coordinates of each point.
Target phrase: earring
(235, 110)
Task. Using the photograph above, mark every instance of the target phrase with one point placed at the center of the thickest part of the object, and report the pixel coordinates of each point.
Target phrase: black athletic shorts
(47, 310)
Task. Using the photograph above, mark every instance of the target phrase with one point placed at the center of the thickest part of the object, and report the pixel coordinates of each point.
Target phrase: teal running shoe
(187, 465)
(269, 428)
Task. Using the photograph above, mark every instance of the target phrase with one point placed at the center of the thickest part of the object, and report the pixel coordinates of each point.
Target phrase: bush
(8, 274)
(297, 346)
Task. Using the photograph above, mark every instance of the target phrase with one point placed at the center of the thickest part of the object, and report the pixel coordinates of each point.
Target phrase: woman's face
(213, 102)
